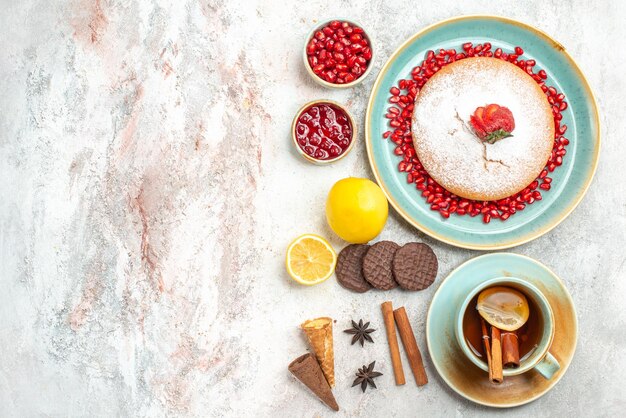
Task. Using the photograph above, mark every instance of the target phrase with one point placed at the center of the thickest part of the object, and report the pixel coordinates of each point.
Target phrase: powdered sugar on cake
(452, 153)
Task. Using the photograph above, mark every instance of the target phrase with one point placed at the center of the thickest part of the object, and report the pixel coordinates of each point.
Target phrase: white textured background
(148, 190)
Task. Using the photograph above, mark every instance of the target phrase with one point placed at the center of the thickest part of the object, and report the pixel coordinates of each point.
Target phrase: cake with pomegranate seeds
(482, 128)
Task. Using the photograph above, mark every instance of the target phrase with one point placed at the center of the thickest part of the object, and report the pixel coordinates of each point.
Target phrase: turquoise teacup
(540, 359)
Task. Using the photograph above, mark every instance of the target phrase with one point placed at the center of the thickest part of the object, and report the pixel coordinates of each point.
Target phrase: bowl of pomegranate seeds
(338, 54)
(323, 131)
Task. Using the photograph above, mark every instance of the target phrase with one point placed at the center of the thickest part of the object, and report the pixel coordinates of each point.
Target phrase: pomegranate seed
(400, 119)
(341, 50)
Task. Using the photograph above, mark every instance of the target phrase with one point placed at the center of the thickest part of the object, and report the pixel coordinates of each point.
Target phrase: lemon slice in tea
(503, 307)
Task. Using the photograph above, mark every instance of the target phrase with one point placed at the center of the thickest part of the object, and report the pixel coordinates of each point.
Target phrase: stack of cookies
(385, 265)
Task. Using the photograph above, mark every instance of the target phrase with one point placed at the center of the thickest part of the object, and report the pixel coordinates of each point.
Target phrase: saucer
(457, 370)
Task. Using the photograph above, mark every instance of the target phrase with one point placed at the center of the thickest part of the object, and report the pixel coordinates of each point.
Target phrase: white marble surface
(149, 189)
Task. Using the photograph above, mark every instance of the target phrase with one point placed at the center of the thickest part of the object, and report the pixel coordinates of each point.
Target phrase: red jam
(339, 53)
(323, 131)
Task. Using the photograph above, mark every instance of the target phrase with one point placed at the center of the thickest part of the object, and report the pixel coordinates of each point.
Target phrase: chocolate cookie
(349, 268)
(415, 266)
(377, 265)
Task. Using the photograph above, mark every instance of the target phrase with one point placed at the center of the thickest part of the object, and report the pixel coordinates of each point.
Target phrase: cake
(482, 128)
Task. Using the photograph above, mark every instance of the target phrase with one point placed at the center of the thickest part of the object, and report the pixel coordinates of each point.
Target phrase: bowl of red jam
(338, 53)
(323, 131)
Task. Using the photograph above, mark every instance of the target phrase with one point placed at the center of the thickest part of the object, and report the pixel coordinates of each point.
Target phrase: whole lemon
(356, 209)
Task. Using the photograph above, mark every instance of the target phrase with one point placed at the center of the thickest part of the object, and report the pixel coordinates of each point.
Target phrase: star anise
(361, 332)
(366, 375)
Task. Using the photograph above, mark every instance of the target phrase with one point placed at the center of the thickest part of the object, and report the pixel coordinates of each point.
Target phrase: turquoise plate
(463, 376)
(571, 180)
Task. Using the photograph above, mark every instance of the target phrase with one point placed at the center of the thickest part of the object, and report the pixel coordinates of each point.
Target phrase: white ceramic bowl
(325, 83)
(295, 140)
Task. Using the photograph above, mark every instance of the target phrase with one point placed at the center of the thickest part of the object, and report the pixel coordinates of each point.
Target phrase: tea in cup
(505, 326)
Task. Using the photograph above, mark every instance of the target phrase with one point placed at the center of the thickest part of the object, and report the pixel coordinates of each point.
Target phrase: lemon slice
(310, 259)
(503, 307)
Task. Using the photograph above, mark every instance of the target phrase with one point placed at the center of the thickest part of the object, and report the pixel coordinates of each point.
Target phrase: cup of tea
(534, 337)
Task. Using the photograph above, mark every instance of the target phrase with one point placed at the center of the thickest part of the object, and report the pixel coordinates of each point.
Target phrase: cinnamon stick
(496, 356)
(510, 349)
(392, 339)
(487, 347)
(410, 346)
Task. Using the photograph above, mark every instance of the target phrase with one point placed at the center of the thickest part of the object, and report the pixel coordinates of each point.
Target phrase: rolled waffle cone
(307, 369)
(319, 331)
